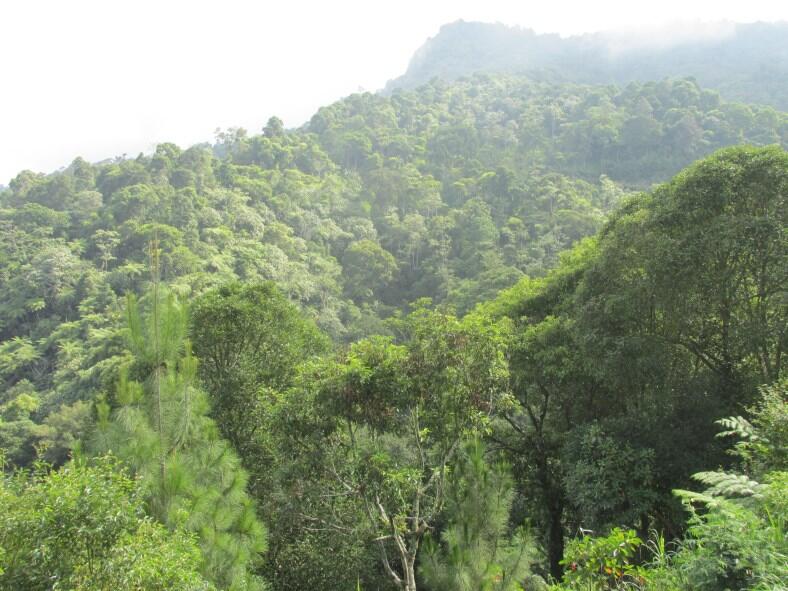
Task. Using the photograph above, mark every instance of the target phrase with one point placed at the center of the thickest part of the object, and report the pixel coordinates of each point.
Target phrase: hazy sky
(107, 77)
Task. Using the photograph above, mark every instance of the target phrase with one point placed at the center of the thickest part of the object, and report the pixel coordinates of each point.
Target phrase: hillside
(451, 192)
(744, 62)
(477, 330)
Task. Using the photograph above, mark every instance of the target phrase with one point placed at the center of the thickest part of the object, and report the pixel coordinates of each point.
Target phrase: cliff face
(746, 62)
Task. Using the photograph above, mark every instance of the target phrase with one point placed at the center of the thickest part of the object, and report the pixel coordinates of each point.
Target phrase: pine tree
(162, 430)
(477, 552)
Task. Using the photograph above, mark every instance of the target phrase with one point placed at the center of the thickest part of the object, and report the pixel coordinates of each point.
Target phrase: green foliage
(594, 372)
(83, 527)
(368, 268)
(63, 430)
(608, 480)
(380, 427)
(477, 551)
(724, 484)
(739, 539)
(735, 544)
(190, 476)
(452, 192)
(763, 443)
(672, 314)
(150, 559)
(250, 340)
(606, 562)
(19, 402)
(737, 528)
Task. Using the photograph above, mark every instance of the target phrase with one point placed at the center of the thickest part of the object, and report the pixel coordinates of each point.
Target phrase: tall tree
(249, 339)
(190, 475)
(673, 313)
(399, 415)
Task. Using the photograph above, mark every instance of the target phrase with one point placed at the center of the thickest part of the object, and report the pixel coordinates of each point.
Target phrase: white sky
(102, 78)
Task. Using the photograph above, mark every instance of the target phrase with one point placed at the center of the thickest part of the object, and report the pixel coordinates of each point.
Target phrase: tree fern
(737, 427)
(729, 484)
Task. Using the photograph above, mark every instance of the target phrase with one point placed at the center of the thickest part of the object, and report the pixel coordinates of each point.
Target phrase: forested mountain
(421, 342)
(452, 193)
(744, 62)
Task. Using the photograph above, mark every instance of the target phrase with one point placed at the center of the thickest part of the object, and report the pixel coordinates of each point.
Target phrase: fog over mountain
(746, 62)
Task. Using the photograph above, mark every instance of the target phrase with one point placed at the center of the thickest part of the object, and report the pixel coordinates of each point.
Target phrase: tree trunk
(555, 542)
(410, 574)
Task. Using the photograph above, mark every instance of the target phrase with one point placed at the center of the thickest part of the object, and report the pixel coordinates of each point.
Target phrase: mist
(666, 35)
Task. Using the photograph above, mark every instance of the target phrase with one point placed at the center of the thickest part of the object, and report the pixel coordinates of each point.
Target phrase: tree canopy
(446, 338)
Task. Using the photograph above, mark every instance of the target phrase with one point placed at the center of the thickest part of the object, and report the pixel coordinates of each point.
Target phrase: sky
(103, 78)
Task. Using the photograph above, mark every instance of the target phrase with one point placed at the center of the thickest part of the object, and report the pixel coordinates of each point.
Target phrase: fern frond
(729, 485)
(690, 496)
(738, 427)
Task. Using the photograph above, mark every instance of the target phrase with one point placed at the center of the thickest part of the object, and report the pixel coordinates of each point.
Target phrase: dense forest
(497, 333)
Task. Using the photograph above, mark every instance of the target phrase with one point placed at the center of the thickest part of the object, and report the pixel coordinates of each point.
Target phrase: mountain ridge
(745, 62)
